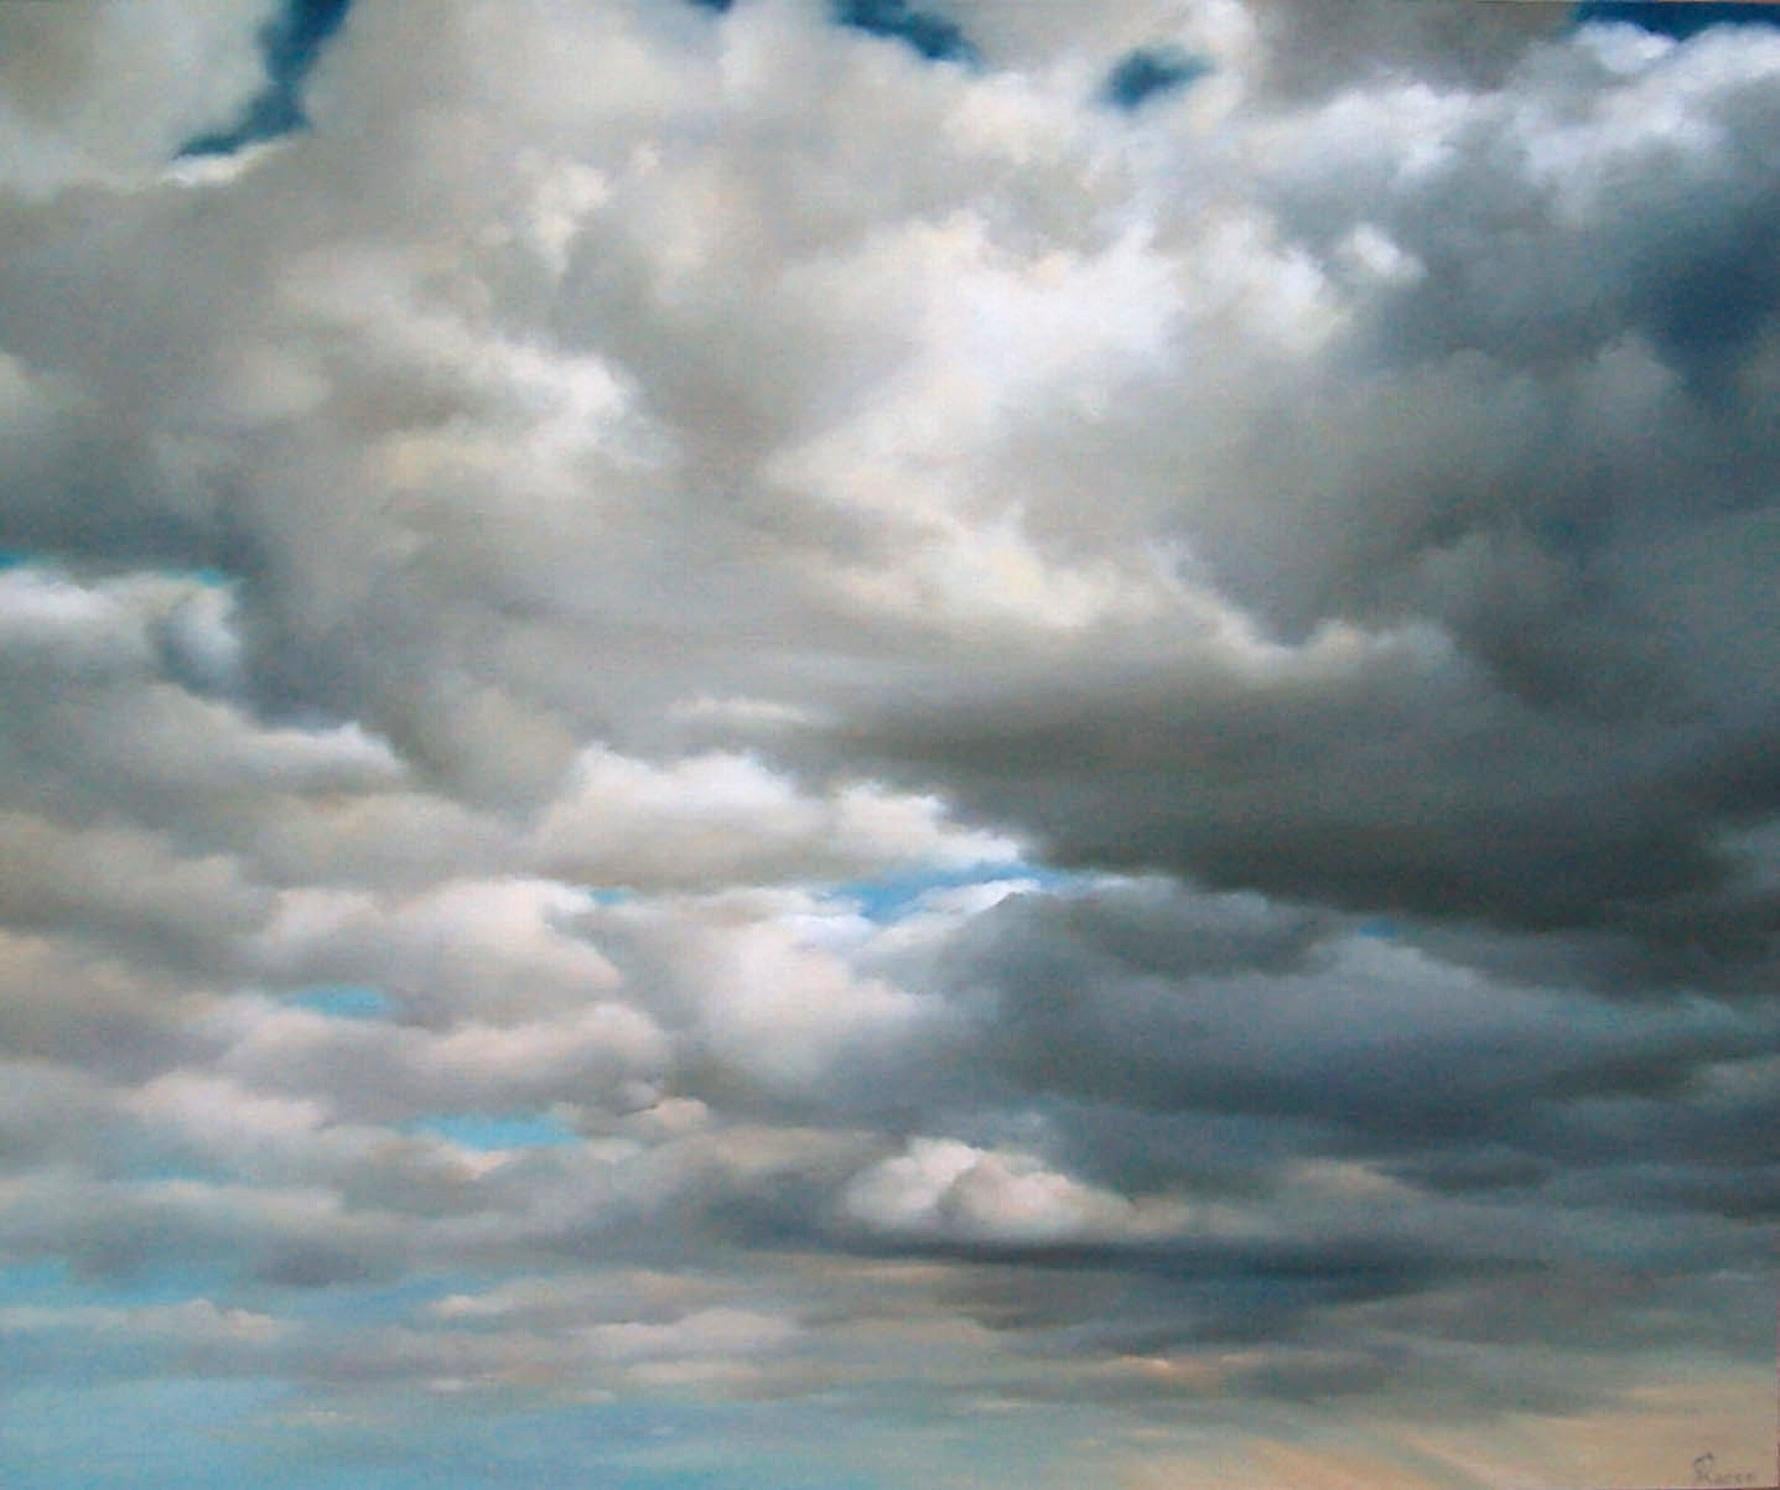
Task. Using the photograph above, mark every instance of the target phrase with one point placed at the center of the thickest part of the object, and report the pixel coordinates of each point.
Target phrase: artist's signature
(1707, 1473)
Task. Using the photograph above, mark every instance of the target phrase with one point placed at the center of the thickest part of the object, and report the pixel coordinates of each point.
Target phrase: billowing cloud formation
(1038, 738)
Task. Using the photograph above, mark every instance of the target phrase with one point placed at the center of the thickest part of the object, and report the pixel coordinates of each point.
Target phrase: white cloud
(721, 818)
(942, 1189)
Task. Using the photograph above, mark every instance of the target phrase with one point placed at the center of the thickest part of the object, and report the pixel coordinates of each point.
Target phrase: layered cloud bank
(883, 745)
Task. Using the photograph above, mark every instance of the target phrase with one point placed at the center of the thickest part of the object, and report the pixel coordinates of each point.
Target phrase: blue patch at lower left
(51, 1282)
(33, 1282)
(487, 1131)
(59, 1432)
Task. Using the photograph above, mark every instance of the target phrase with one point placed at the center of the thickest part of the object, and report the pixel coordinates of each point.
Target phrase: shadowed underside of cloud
(843, 769)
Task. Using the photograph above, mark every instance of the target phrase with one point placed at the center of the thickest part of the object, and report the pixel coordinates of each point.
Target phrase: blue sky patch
(1149, 72)
(222, 1435)
(609, 894)
(488, 1131)
(32, 1282)
(890, 897)
(290, 45)
(206, 575)
(344, 1001)
(384, 1303)
(131, 1435)
(51, 1283)
(1668, 18)
(936, 37)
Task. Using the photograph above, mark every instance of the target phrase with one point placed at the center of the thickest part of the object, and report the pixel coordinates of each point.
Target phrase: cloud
(945, 1188)
(1398, 572)
(92, 92)
(724, 818)
(1106, 771)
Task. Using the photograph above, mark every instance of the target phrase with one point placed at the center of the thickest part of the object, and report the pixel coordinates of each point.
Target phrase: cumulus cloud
(944, 1188)
(725, 818)
(891, 710)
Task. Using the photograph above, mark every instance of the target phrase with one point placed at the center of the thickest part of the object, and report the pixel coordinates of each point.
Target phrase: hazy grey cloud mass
(833, 753)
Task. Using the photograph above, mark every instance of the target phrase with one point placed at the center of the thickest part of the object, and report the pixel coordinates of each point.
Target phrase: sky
(888, 744)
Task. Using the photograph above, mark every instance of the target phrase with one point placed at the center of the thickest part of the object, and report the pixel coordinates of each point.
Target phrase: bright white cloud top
(862, 744)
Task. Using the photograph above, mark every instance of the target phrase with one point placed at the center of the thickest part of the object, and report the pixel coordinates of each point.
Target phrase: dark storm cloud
(1523, 458)
(1159, 1050)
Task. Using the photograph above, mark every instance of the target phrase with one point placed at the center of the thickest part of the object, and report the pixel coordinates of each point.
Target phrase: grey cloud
(91, 91)
(518, 545)
(1309, 51)
(1532, 725)
(126, 890)
(1363, 1038)
(298, 1236)
(70, 1004)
